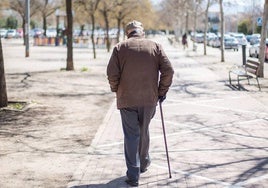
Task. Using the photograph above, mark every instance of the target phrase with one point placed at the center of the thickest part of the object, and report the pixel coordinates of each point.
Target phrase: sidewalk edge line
(79, 172)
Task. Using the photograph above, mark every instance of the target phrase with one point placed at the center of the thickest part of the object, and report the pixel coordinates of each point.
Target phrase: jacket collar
(135, 33)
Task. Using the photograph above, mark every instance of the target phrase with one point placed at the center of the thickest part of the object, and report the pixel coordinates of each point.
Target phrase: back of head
(134, 27)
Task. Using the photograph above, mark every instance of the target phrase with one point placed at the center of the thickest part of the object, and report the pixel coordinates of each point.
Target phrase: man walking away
(133, 73)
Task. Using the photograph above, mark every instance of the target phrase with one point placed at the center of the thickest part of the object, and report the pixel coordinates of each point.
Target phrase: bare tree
(263, 38)
(188, 6)
(206, 27)
(197, 3)
(19, 7)
(163, 16)
(121, 12)
(222, 30)
(80, 17)
(175, 9)
(4, 4)
(69, 32)
(106, 7)
(91, 7)
(3, 91)
(47, 8)
(142, 11)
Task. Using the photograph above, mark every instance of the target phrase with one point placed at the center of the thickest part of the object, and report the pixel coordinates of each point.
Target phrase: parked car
(198, 38)
(210, 38)
(254, 50)
(231, 43)
(11, 33)
(216, 43)
(3, 33)
(241, 38)
(36, 32)
(248, 37)
(255, 38)
(51, 32)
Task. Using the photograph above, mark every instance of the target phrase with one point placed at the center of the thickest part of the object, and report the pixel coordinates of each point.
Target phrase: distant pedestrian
(133, 73)
(184, 41)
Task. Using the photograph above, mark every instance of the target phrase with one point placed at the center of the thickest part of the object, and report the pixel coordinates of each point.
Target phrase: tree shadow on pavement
(255, 171)
(261, 166)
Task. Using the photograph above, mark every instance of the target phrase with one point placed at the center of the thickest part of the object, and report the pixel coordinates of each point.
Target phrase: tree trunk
(3, 91)
(69, 14)
(23, 28)
(195, 15)
(222, 31)
(45, 25)
(118, 30)
(187, 22)
(108, 43)
(206, 28)
(263, 38)
(92, 35)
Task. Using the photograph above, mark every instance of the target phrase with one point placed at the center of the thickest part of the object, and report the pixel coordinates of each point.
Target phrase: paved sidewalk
(217, 137)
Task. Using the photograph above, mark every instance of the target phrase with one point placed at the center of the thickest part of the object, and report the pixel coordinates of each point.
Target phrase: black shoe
(146, 168)
(132, 183)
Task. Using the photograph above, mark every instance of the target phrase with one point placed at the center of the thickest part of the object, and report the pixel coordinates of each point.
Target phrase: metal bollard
(244, 54)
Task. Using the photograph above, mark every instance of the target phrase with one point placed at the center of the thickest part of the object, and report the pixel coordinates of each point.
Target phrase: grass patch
(84, 69)
(15, 105)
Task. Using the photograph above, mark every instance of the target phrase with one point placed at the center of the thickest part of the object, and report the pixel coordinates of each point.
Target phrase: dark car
(231, 43)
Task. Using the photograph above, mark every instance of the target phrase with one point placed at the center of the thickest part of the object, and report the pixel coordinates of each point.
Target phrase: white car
(3, 33)
(241, 38)
(11, 33)
(231, 43)
(51, 32)
(254, 50)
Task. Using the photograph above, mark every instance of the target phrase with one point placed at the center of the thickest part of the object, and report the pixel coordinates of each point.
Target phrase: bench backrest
(252, 67)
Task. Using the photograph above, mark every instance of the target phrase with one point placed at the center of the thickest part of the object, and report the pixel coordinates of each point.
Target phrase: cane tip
(170, 176)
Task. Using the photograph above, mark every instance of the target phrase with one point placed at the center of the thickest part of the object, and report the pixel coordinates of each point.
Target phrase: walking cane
(165, 139)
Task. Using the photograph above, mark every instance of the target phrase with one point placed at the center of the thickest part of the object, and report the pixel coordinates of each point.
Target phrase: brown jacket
(133, 72)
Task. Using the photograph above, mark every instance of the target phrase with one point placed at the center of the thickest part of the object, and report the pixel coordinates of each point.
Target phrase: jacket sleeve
(113, 71)
(166, 72)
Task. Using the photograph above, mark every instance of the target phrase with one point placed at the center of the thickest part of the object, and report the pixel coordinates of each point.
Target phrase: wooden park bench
(248, 71)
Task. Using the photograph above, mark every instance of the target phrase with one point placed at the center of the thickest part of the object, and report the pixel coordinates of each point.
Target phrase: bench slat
(239, 72)
(251, 67)
(252, 71)
(253, 62)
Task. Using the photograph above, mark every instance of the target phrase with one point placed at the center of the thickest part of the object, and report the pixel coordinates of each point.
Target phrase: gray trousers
(135, 122)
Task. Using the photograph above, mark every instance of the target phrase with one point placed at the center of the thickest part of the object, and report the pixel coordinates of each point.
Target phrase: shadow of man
(118, 183)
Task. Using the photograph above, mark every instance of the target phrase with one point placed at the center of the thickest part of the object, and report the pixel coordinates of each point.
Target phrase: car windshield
(240, 37)
(229, 39)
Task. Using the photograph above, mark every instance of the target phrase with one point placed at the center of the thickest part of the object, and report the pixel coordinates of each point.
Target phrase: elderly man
(133, 73)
